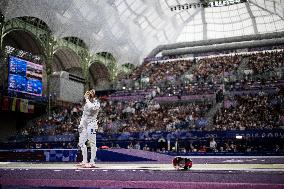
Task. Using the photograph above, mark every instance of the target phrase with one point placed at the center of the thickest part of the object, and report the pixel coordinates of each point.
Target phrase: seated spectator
(212, 145)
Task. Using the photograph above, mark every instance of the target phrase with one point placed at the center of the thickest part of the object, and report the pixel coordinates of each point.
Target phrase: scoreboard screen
(25, 76)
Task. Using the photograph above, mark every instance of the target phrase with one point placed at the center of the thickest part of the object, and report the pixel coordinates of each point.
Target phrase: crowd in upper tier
(157, 71)
(207, 69)
(265, 62)
(216, 67)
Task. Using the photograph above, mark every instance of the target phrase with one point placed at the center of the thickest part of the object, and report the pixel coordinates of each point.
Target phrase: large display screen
(25, 76)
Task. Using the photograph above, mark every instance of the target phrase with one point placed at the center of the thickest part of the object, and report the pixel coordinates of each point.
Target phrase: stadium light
(239, 137)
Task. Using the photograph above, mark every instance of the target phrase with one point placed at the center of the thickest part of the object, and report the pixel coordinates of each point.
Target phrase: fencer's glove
(87, 95)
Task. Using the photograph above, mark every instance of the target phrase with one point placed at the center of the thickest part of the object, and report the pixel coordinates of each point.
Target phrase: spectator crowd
(216, 67)
(158, 71)
(266, 61)
(148, 116)
(261, 111)
(61, 121)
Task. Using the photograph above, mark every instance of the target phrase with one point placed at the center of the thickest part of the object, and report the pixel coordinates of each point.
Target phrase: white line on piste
(4, 163)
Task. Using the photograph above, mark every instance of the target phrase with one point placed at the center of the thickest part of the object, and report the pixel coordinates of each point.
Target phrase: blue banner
(56, 138)
(279, 133)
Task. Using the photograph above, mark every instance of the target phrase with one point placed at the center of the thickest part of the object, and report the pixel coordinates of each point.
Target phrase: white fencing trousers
(88, 134)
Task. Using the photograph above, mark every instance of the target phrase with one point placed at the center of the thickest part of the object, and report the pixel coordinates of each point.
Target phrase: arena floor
(222, 172)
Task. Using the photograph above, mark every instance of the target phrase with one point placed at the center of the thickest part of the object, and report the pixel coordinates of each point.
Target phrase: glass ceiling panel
(130, 29)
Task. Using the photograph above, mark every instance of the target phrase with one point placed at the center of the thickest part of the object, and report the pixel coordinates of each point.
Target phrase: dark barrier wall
(11, 122)
(8, 125)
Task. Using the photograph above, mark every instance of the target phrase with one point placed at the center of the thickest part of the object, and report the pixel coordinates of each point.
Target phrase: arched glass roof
(130, 29)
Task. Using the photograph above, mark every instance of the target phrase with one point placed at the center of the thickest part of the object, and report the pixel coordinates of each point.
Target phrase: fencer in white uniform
(88, 127)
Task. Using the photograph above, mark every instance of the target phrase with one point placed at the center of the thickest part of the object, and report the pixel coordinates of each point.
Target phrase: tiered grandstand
(173, 78)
